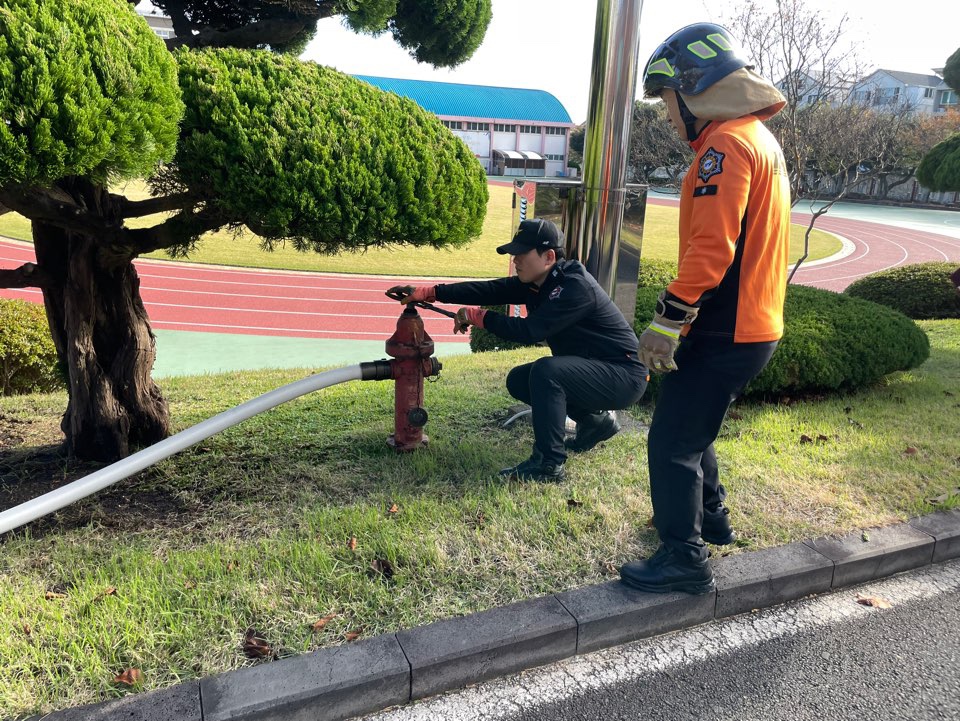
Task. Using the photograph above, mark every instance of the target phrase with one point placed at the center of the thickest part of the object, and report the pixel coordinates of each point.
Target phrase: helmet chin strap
(689, 120)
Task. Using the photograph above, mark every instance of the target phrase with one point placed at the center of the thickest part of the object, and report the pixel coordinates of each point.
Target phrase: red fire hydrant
(412, 350)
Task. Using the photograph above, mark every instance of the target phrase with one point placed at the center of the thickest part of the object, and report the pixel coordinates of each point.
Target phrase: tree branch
(272, 31)
(28, 275)
(163, 204)
(58, 209)
(175, 231)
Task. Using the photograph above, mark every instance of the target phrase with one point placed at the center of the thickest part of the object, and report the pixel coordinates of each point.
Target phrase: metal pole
(594, 233)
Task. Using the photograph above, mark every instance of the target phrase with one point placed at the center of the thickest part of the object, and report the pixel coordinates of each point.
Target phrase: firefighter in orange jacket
(717, 325)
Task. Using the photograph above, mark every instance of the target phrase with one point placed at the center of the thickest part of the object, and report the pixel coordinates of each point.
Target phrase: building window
(477, 126)
(453, 124)
(928, 92)
(530, 129)
(553, 156)
(556, 131)
(503, 128)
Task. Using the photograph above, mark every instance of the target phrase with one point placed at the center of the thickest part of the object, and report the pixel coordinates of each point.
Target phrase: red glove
(467, 317)
(420, 293)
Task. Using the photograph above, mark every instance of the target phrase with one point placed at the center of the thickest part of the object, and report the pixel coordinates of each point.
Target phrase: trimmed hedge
(921, 291)
(833, 342)
(28, 359)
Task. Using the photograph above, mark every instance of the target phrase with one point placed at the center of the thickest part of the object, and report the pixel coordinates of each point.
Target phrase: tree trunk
(103, 338)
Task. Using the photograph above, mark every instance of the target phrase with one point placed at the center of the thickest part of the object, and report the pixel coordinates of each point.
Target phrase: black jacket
(570, 311)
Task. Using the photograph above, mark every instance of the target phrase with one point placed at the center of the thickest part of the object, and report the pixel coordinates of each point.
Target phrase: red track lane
(876, 247)
(349, 307)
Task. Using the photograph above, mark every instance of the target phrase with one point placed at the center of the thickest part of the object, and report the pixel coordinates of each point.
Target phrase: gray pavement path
(818, 659)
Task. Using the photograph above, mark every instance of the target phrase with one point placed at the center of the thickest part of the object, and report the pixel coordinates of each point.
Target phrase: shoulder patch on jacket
(555, 293)
(711, 163)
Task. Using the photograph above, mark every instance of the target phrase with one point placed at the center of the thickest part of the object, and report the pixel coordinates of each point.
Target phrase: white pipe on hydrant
(98, 480)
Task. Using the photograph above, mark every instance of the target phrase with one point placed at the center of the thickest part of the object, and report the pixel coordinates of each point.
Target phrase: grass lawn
(279, 523)
(477, 260)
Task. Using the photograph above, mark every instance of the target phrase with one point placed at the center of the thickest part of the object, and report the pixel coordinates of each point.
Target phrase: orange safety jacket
(735, 233)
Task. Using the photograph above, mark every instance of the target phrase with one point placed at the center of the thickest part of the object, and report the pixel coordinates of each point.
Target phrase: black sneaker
(593, 430)
(665, 572)
(535, 469)
(716, 527)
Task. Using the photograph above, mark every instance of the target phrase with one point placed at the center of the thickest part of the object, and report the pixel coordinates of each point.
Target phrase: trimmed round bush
(28, 359)
(833, 341)
(830, 342)
(921, 291)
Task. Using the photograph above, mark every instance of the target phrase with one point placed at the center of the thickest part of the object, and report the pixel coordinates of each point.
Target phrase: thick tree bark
(103, 337)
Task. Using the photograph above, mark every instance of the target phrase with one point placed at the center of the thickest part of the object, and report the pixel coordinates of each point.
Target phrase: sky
(548, 44)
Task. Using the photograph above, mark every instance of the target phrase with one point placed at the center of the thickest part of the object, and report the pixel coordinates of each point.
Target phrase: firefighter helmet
(692, 59)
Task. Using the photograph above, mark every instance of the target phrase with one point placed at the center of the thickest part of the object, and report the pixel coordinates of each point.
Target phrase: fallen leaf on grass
(910, 451)
(53, 595)
(806, 439)
(393, 509)
(852, 422)
(26, 629)
(822, 437)
(382, 567)
(108, 591)
(255, 645)
(129, 677)
(874, 601)
(352, 543)
(354, 635)
(318, 626)
(572, 503)
(232, 566)
(189, 585)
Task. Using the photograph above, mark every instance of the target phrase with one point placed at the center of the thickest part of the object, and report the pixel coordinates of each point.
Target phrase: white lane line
(386, 301)
(505, 698)
(178, 324)
(220, 309)
(847, 248)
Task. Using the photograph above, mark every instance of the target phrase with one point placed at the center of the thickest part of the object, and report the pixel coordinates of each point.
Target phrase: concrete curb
(346, 681)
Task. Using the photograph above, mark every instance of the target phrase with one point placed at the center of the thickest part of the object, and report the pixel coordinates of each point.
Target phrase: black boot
(535, 469)
(592, 430)
(665, 571)
(716, 527)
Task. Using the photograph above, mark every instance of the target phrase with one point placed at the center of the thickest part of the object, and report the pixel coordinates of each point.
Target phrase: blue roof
(476, 101)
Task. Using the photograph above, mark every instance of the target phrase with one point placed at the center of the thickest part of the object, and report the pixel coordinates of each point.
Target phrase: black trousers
(684, 479)
(561, 386)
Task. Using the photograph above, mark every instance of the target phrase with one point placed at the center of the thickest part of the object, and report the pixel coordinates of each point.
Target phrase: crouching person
(594, 368)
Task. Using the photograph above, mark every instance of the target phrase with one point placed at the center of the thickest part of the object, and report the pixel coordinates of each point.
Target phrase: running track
(190, 297)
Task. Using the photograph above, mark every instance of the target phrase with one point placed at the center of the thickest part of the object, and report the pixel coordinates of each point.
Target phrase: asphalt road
(825, 658)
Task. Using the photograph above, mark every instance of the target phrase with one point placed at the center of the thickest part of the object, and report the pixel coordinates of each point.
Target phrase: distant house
(161, 25)
(921, 93)
(512, 131)
(809, 89)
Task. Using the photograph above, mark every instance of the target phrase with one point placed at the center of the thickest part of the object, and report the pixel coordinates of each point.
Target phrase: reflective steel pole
(594, 234)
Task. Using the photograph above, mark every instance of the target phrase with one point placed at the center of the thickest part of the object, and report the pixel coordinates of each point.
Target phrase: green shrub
(28, 359)
(830, 342)
(656, 274)
(483, 340)
(923, 291)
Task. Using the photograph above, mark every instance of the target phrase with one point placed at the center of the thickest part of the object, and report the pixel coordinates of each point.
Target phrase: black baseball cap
(537, 233)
